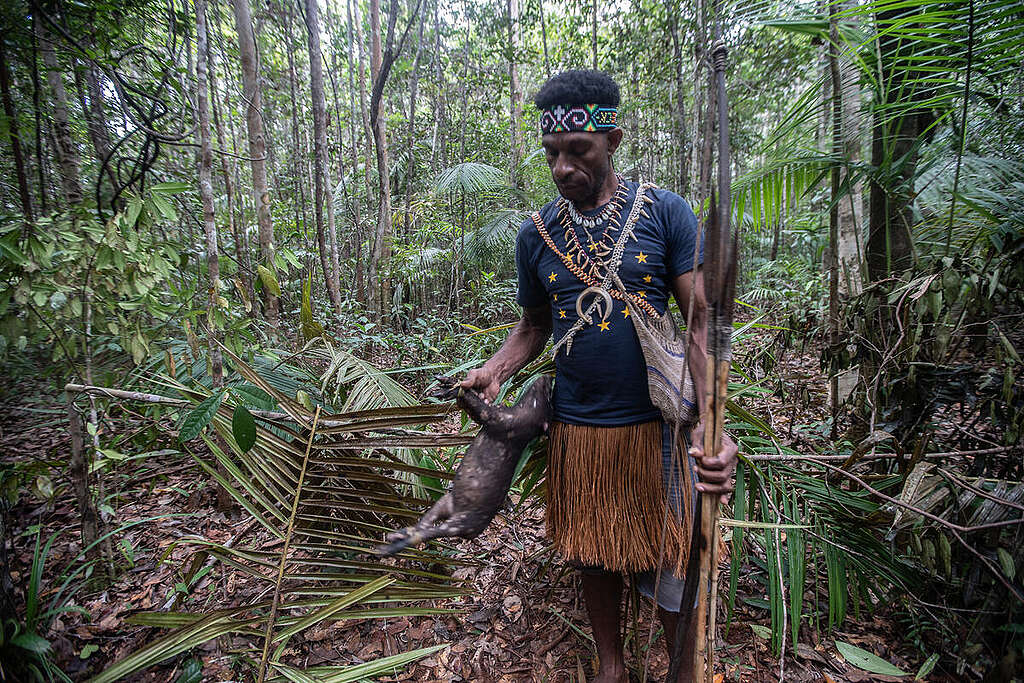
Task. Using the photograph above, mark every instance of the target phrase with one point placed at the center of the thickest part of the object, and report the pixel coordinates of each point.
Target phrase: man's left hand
(715, 472)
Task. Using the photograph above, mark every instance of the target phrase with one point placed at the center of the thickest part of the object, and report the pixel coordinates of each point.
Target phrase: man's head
(578, 122)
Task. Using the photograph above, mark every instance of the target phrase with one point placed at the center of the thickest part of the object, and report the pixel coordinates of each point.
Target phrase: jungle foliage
(877, 183)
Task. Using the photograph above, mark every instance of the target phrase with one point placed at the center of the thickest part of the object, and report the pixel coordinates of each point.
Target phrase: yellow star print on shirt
(551, 278)
(641, 257)
(647, 278)
(625, 312)
(603, 325)
(561, 314)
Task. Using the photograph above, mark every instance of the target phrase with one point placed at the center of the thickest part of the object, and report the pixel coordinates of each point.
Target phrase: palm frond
(470, 177)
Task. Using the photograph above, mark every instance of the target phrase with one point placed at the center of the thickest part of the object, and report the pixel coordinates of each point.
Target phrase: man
(610, 470)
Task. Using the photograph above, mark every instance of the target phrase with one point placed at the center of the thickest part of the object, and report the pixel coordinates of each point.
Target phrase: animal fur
(484, 476)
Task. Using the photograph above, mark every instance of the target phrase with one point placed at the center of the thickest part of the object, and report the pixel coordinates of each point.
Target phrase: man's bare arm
(524, 343)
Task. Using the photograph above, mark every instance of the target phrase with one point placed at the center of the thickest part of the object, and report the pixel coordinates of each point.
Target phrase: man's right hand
(484, 381)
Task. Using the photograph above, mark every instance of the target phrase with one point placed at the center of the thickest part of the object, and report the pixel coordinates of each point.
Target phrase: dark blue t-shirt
(603, 380)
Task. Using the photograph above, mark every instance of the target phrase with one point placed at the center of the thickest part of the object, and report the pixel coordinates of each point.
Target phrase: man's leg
(602, 593)
(670, 620)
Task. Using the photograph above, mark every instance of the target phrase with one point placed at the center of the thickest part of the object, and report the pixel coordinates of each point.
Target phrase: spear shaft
(720, 283)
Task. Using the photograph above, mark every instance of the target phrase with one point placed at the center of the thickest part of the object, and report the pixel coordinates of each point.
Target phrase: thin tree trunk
(515, 92)
(224, 498)
(410, 173)
(91, 98)
(67, 154)
(206, 196)
(356, 204)
(37, 90)
(227, 169)
(833, 214)
(12, 136)
(257, 150)
(328, 260)
(464, 93)
(682, 144)
(544, 40)
(890, 247)
(298, 158)
(380, 252)
(370, 284)
(850, 208)
(79, 469)
(593, 31)
(440, 108)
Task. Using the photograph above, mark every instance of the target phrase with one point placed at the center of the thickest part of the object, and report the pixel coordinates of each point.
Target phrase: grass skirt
(607, 498)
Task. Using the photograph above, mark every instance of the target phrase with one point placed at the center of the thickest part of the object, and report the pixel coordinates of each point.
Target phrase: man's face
(580, 161)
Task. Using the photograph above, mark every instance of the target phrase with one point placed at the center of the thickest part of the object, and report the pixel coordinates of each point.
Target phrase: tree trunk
(369, 280)
(79, 469)
(298, 158)
(321, 175)
(889, 247)
(593, 31)
(544, 40)
(357, 219)
(410, 171)
(682, 144)
(206, 196)
(224, 499)
(257, 150)
(37, 90)
(851, 207)
(515, 92)
(12, 136)
(64, 147)
(96, 121)
(379, 294)
(833, 214)
(227, 169)
(437, 151)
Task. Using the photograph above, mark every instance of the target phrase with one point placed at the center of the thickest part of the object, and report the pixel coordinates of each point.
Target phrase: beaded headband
(565, 118)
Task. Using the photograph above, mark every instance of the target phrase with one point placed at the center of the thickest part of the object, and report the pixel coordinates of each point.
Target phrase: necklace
(591, 257)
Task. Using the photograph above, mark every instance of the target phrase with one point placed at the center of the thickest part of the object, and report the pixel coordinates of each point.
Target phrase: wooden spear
(720, 267)
(720, 285)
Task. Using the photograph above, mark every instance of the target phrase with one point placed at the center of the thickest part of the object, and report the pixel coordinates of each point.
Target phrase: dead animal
(484, 476)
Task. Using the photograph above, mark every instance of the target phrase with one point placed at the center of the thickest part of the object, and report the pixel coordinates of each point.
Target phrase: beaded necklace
(600, 286)
(600, 248)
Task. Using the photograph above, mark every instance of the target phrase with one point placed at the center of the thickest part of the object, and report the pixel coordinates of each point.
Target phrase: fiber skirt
(617, 499)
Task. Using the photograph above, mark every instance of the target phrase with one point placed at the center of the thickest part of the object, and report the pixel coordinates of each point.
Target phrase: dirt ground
(522, 620)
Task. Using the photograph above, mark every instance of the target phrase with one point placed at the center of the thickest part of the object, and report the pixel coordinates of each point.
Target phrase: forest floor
(523, 619)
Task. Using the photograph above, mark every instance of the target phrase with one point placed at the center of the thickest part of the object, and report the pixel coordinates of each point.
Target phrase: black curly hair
(578, 86)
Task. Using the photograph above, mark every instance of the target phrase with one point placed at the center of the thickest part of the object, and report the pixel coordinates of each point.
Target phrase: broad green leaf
(1006, 562)
(191, 672)
(164, 207)
(762, 632)
(171, 187)
(132, 211)
(32, 643)
(269, 280)
(200, 417)
(927, 667)
(243, 427)
(862, 659)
